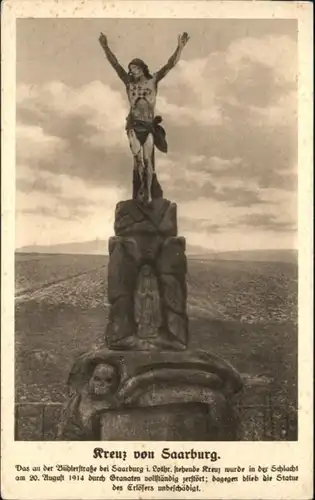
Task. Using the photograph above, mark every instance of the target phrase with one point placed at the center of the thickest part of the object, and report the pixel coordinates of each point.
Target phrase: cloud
(33, 143)
(185, 116)
(278, 209)
(268, 222)
(253, 73)
(62, 188)
(80, 131)
(276, 52)
(77, 212)
(216, 165)
(63, 212)
(25, 185)
(99, 104)
(187, 224)
(218, 179)
(55, 208)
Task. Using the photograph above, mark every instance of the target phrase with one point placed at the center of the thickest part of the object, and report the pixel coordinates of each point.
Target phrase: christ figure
(142, 126)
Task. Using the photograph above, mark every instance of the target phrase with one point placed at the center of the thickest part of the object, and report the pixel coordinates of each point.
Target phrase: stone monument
(145, 383)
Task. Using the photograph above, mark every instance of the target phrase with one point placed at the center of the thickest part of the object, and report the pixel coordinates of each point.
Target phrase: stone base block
(132, 217)
(173, 422)
(175, 395)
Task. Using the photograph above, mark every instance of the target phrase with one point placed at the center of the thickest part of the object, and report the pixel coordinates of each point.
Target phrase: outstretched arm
(112, 59)
(173, 60)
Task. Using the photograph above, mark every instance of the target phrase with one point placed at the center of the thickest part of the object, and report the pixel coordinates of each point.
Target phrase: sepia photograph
(156, 229)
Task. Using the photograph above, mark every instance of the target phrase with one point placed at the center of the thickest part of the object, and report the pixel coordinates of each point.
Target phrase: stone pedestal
(147, 279)
(138, 395)
(145, 384)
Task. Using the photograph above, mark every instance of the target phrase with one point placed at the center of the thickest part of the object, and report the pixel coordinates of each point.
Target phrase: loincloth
(142, 129)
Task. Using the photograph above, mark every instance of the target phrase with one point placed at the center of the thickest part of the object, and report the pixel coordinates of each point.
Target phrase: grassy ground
(245, 312)
(33, 271)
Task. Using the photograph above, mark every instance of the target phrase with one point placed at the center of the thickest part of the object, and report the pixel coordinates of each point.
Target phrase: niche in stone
(148, 316)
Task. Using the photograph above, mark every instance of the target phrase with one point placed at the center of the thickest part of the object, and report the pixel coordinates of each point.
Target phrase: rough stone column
(146, 384)
(147, 279)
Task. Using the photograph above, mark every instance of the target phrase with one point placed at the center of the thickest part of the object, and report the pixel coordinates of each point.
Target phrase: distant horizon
(201, 247)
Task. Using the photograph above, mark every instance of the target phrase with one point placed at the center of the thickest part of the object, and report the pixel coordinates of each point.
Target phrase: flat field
(243, 311)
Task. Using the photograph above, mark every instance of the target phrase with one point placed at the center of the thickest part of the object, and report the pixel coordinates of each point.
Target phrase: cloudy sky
(229, 110)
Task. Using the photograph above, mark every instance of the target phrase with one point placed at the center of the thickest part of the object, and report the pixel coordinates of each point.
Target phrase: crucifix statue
(128, 387)
(142, 126)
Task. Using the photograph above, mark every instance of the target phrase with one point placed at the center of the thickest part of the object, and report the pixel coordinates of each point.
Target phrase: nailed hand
(103, 40)
(183, 39)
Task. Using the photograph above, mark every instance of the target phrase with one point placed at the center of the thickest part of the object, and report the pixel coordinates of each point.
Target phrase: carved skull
(104, 381)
